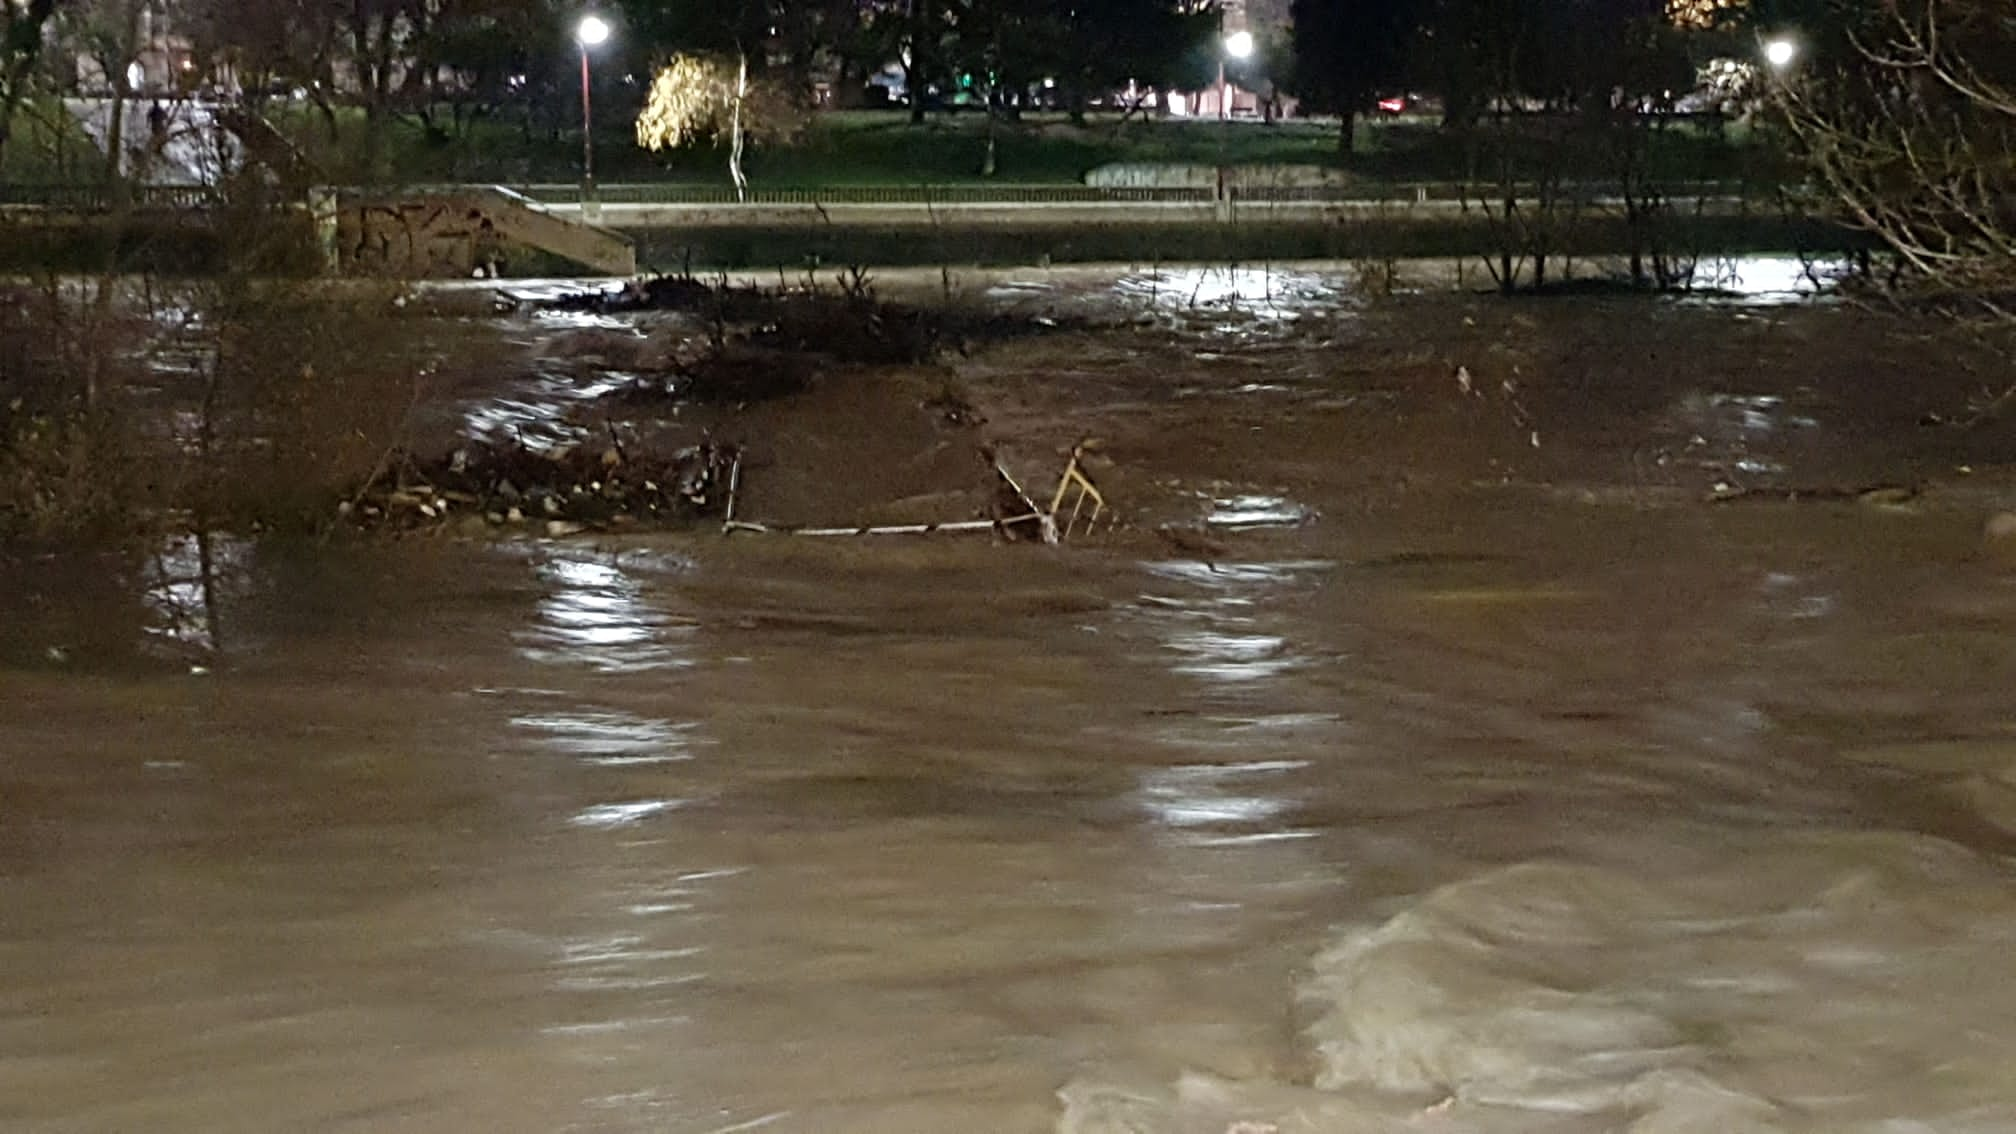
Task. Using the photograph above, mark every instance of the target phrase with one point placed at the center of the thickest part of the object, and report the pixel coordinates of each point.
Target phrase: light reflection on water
(1763, 280)
(1215, 628)
(537, 414)
(1254, 510)
(610, 739)
(1218, 797)
(1222, 655)
(190, 580)
(595, 614)
(1266, 294)
(624, 814)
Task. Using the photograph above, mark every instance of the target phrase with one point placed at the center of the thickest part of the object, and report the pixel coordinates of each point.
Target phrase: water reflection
(1265, 294)
(623, 814)
(1793, 598)
(1765, 280)
(537, 412)
(596, 614)
(1223, 804)
(1723, 431)
(537, 291)
(1254, 510)
(610, 739)
(1223, 654)
(189, 580)
(1221, 629)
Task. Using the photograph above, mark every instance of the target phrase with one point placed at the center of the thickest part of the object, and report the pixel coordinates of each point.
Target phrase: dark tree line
(1564, 111)
(445, 65)
(992, 48)
(1347, 52)
(1480, 55)
(21, 28)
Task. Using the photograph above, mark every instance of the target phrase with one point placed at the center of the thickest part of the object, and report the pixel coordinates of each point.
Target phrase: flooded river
(1446, 765)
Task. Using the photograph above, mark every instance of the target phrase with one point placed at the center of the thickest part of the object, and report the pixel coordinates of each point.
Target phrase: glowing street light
(1238, 45)
(1780, 52)
(591, 32)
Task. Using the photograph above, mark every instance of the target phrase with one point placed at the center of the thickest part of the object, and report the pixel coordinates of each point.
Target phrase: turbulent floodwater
(1431, 777)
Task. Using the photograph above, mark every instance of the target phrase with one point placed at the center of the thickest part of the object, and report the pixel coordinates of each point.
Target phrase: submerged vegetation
(245, 403)
(136, 403)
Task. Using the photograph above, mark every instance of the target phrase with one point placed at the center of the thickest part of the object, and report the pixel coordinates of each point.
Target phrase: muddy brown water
(1427, 779)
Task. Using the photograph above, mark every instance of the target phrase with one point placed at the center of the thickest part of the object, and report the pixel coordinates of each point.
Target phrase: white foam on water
(1847, 983)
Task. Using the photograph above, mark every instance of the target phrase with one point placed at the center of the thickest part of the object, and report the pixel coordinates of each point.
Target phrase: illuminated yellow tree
(701, 99)
(1700, 13)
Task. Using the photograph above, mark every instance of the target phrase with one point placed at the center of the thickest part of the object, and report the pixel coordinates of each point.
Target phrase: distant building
(1267, 21)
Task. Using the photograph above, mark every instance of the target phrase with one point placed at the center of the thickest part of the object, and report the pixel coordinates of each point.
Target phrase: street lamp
(1780, 52)
(591, 32)
(1238, 45)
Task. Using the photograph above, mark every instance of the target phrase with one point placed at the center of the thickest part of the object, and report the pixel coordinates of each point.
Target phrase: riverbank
(176, 242)
(1345, 238)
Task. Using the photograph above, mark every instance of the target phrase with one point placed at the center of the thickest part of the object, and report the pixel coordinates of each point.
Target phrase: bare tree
(21, 27)
(1915, 142)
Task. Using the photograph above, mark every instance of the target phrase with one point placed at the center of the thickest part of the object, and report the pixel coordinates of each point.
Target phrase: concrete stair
(522, 220)
(462, 231)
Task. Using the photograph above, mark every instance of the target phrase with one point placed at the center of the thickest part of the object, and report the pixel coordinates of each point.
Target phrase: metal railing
(644, 193)
(98, 198)
(1422, 192)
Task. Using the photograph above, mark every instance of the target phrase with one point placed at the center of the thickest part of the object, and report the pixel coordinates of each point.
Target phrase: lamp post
(592, 31)
(1780, 52)
(1238, 45)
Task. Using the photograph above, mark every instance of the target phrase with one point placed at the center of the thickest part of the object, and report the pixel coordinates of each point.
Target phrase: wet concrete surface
(1482, 784)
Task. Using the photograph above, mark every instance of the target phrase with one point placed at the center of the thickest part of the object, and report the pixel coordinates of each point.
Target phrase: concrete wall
(437, 235)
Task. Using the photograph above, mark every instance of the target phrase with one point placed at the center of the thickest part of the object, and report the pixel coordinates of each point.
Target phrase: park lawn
(879, 148)
(49, 147)
(841, 148)
(871, 148)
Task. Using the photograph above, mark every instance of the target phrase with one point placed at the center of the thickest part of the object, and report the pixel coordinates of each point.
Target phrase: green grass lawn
(865, 148)
(48, 147)
(839, 148)
(868, 148)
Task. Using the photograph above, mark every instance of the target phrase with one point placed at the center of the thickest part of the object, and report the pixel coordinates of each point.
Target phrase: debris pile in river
(751, 345)
(1014, 515)
(556, 491)
(842, 322)
(732, 372)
